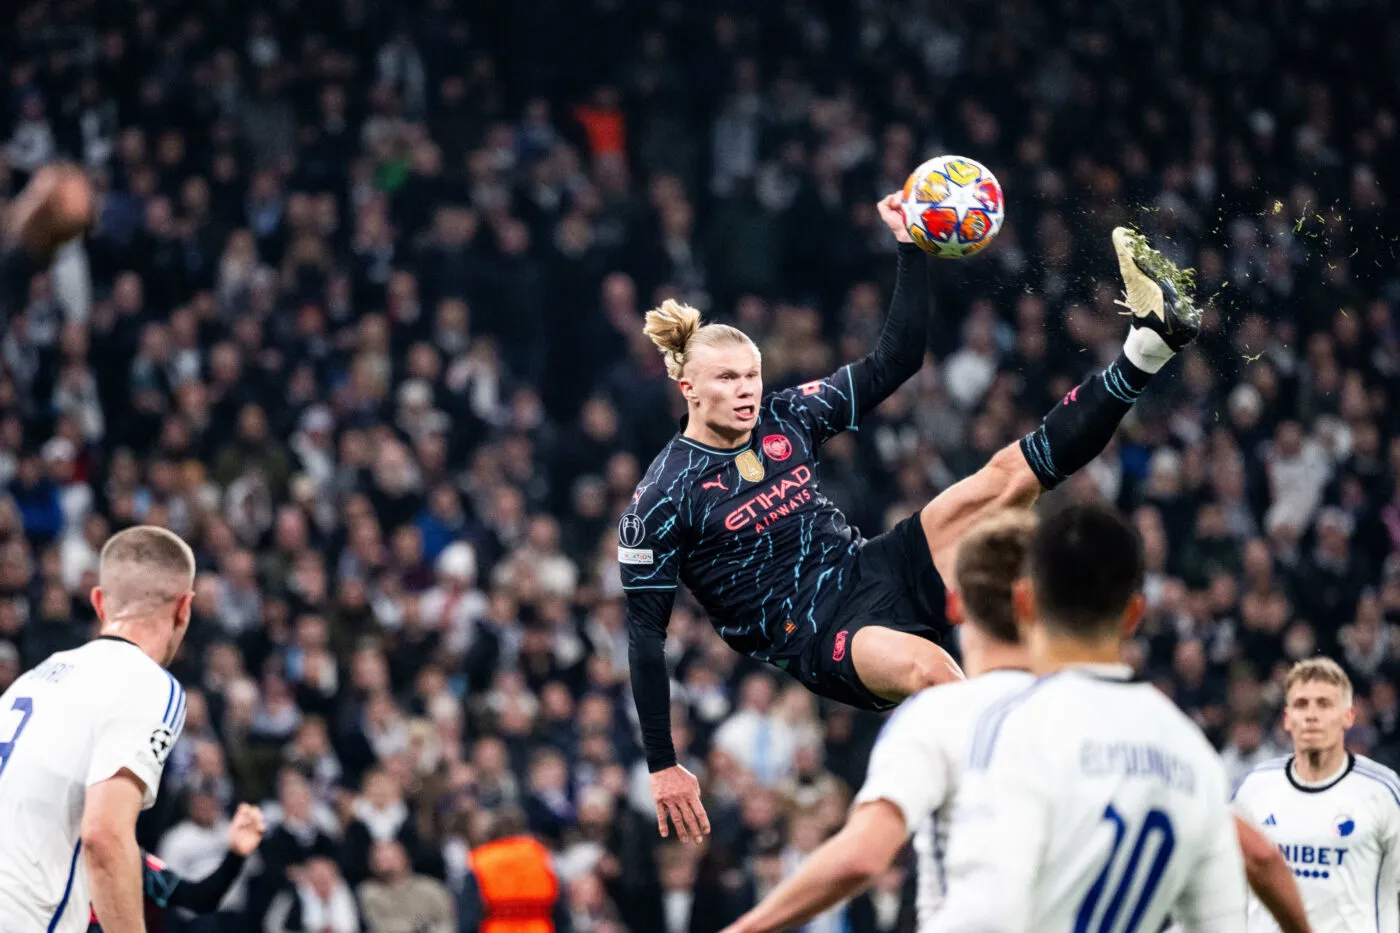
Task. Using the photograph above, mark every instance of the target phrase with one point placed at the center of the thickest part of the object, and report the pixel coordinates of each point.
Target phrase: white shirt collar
(1103, 671)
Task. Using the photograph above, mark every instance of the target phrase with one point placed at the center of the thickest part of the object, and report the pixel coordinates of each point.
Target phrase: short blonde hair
(145, 566)
(1319, 670)
(150, 547)
(676, 330)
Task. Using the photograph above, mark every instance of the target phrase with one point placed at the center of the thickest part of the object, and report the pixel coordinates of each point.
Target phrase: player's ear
(1132, 615)
(1349, 717)
(97, 604)
(953, 607)
(183, 607)
(687, 389)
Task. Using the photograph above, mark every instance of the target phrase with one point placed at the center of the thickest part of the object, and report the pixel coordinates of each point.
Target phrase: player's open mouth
(745, 412)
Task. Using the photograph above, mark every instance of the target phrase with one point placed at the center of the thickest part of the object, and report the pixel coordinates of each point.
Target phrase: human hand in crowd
(677, 795)
(245, 831)
(892, 213)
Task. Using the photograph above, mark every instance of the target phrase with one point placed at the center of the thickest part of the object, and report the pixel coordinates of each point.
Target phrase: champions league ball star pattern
(953, 206)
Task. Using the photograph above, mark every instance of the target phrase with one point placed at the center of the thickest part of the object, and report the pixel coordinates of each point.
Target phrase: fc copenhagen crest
(631, 530)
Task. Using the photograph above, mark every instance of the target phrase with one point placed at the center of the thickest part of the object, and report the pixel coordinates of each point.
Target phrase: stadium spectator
(359, 316)
(395, 900)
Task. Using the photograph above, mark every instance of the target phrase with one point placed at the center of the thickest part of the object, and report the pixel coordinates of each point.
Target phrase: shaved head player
(83, 741)
(732, 508)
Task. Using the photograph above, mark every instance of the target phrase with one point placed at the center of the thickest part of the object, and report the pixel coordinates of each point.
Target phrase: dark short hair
(1086, 563)
(990, 559)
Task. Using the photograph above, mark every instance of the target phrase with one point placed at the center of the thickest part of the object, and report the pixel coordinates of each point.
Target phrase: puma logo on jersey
(717, 482)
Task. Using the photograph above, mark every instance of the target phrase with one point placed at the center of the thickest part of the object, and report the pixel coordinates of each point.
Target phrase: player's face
(722, 386)
(1316, 716)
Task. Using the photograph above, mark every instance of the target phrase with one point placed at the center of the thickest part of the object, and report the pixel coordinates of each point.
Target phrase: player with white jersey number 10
(83, 741)
(1089, 802)
(1335, 816)
(917, 764)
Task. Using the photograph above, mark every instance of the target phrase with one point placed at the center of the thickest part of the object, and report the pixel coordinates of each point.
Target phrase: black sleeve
(837, 403)
(903, 340)
(203, 896)
(648, 614)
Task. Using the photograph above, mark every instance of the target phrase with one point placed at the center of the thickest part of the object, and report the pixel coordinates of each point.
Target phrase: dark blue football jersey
(769, 558)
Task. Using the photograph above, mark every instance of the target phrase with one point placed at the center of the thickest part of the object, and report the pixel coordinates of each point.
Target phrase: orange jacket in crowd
(517, 886)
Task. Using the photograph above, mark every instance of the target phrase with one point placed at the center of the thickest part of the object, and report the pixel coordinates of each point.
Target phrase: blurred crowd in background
(361, 320)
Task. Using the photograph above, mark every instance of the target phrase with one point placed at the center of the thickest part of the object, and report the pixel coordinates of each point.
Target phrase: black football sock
(1080, 427)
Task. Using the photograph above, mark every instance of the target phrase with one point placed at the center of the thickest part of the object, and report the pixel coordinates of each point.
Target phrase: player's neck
(995, 656)
(698, 431)
(1052, 653)
(1318, 764)
(154, 644)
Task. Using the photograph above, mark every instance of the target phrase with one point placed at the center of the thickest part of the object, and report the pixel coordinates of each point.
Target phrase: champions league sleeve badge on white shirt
(161, 742)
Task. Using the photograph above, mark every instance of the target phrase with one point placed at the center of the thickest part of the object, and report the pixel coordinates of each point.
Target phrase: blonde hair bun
(675, 328)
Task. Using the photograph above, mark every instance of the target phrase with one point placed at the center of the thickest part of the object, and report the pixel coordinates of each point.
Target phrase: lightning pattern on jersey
(770, 560)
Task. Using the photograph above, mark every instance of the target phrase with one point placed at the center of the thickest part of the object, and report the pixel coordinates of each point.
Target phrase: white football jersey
(1093, 804)
(1341, 838)
(917, 765)
(73, 721)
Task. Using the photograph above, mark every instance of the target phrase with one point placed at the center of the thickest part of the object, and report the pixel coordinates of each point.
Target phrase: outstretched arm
(202, 896)
(1271, 879)
(906, 781)
(648, 612)
(839, 402)
(675, 790)
(246, 830)
(840, 868)
(903, 340)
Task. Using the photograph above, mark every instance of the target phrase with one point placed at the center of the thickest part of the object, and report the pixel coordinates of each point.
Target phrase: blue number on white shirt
(25, 705)
(1156, 822)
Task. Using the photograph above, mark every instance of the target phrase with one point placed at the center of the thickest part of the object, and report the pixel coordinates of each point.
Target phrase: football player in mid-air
(917, 765)
(1334, 815)
(731, 507)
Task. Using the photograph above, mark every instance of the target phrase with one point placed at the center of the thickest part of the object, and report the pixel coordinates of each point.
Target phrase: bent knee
(1019, 486)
